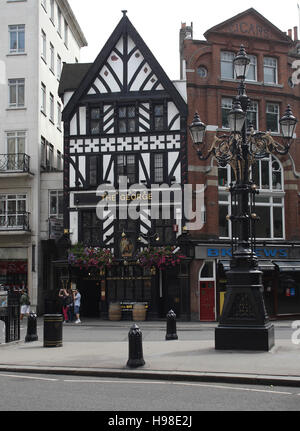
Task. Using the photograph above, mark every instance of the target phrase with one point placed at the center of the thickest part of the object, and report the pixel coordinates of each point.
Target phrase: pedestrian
(77, 300)
(70, 303)
(24, 303)
(65, 300)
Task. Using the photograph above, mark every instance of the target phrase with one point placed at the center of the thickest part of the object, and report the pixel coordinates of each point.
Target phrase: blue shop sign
(260, 252)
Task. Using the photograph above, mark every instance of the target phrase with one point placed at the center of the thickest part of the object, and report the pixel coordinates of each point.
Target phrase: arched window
(267, 174)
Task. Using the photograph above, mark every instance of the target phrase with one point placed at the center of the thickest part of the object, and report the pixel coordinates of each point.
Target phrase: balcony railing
(14, 221)
(14, 162)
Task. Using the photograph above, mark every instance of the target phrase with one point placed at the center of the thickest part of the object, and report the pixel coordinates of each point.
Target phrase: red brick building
(271, 84)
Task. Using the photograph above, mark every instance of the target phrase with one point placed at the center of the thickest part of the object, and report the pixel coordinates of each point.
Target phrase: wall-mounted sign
(260, 252)
(248, 28)
(205, 252)
(55, 228)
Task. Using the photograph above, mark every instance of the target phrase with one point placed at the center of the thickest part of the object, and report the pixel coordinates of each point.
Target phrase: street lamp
(244, 323)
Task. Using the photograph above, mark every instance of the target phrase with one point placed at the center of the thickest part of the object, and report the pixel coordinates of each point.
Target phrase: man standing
(77, 299)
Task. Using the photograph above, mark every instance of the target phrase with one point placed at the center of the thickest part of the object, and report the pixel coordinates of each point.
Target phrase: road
(27, 392)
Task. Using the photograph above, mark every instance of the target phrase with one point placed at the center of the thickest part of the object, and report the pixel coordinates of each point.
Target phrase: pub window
(164, 228)
(158, 168)
(95, 121)
(126, 166)
(158, 117)
(93, 170)
(91, 228)
(126, 119)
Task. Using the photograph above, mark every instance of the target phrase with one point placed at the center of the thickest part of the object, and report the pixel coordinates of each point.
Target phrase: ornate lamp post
(244, 323)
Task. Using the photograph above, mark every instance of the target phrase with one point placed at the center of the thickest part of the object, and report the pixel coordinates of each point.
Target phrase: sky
(159, 21)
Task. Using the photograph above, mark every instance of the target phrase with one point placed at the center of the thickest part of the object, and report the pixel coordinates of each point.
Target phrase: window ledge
(16, 54)
(17, 108)
(237, 81)
(269, 84)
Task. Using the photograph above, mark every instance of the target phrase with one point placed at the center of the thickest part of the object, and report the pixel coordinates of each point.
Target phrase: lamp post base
(244, 338)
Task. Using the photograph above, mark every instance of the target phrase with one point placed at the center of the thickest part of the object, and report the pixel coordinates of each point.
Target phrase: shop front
(127, 285)
(280, 265)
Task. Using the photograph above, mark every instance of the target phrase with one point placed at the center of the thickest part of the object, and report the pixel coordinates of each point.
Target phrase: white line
(27, 377)
(142, 382)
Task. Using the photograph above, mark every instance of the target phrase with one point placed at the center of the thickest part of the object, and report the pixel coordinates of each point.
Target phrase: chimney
(290, 33)
(295, 34)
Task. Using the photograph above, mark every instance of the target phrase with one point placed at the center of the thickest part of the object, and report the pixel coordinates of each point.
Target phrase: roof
(71, 76)
(73, 23)
(86, 75)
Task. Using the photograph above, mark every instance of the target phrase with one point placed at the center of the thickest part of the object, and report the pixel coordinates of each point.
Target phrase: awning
(287, 265)
(225, 264)
(266, 265)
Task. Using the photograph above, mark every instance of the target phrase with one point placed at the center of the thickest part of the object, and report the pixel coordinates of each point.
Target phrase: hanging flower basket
(160, 257)
(86, 257)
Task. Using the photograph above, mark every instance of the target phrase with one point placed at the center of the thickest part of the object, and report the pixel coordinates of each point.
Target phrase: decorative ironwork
(14, 221)
(14, 162)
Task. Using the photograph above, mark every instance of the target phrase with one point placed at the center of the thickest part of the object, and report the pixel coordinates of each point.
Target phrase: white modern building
(37, 37)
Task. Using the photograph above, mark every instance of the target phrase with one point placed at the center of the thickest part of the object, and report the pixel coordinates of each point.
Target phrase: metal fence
(10, 315)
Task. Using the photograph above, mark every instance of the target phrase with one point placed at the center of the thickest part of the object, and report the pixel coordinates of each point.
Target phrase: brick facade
(206, 88)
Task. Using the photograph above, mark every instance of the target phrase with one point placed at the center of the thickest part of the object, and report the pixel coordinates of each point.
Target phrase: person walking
(77, 301)
(25, 304)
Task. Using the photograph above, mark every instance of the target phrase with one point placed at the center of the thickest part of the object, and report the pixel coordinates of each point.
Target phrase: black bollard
(171, 326)
(135, 348)
(31, 328)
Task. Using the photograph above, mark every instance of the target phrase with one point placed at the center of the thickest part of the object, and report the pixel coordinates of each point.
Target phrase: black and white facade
(123, 117)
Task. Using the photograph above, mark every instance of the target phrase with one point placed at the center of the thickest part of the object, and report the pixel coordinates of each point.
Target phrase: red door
(207, 301)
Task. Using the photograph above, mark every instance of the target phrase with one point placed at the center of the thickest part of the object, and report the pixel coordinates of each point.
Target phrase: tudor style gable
(123, 116)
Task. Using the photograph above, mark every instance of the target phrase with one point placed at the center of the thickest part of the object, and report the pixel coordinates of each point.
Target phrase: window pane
(95, 114)
(131, 125)
(263, 226)
(272, 123)
(265, 178)
(158, 110)
(95, 127)
(122, 126)
(131, 112)
(277, 216)
(158, 123)
(227, 70)
(223, 223)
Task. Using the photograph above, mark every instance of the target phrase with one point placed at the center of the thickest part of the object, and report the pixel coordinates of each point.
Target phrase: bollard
(53, 330)
(31, 328)
(171, 326)
(135, 348)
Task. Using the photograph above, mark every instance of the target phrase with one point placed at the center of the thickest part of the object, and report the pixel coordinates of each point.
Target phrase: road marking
(28, 377)
(142, 382)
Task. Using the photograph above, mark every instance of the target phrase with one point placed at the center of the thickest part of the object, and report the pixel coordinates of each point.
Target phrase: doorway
(207, 297)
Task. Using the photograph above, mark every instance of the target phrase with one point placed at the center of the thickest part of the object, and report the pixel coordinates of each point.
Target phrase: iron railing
(14, 221)
(14, 162)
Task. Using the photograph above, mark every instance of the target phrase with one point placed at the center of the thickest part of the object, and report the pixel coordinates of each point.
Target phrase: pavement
(102, 350)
